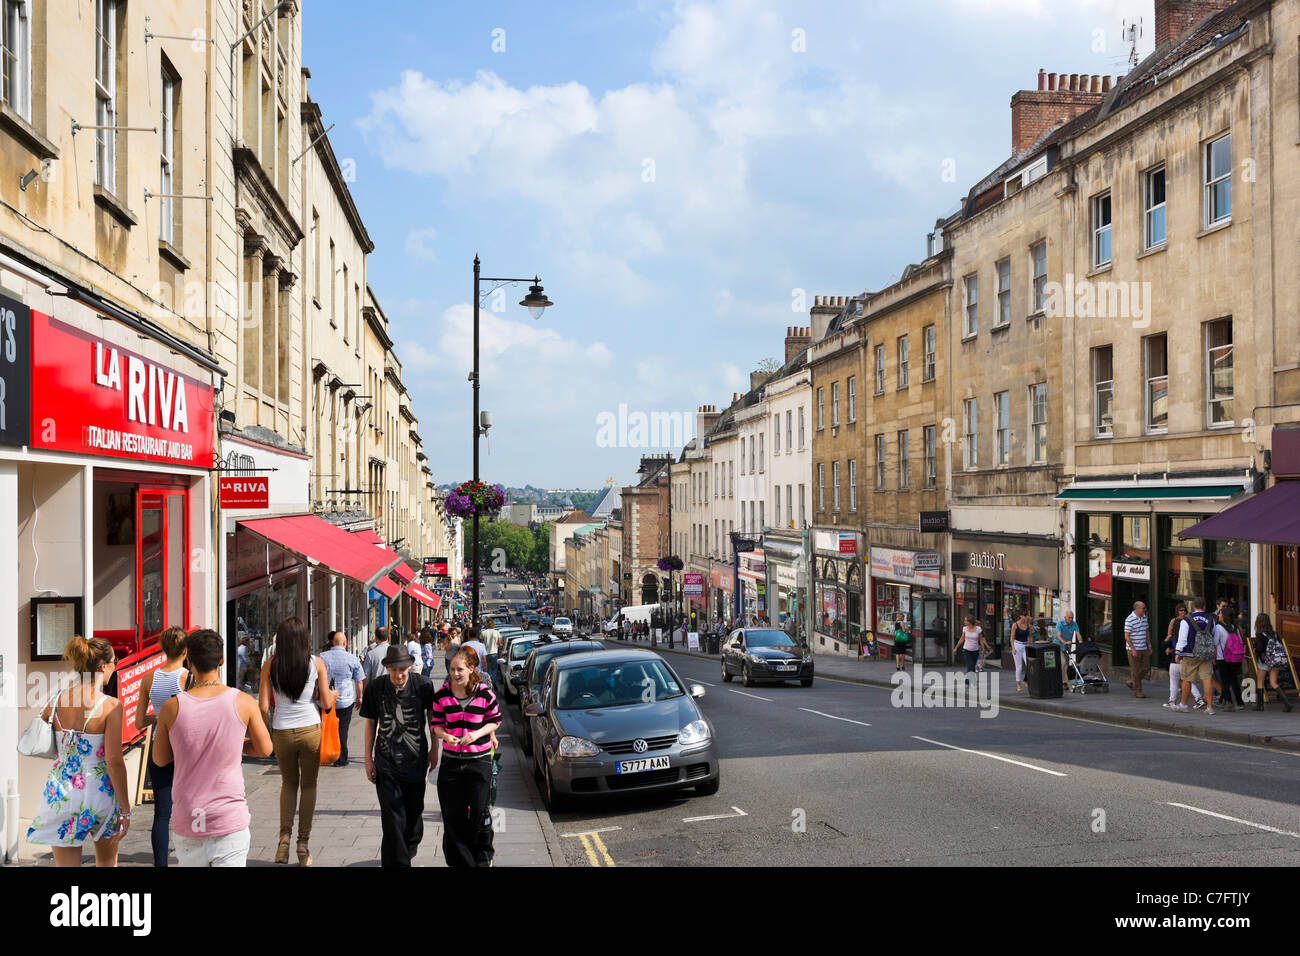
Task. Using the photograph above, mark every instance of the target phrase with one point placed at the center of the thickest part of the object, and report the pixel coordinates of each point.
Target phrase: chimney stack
(796, 340)
(823, 310)
(1174, 18)
(1058, 99)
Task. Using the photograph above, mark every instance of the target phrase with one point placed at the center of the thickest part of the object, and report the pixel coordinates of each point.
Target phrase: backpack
(1203, 646)
(1234, 650)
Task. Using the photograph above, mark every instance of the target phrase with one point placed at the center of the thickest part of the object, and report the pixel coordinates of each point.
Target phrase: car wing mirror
(535, 709)
(697, 691)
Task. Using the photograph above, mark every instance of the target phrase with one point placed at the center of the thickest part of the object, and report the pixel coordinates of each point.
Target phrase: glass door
(162, 544)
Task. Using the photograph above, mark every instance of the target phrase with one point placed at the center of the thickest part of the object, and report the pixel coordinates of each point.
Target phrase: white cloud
(419, 244)
(599, 355)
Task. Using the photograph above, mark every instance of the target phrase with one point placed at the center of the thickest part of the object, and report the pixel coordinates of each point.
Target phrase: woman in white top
(971, 640)
(296, 680)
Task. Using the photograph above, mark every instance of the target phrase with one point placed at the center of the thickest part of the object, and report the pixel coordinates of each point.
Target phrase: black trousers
(1230, 678)
(345, 717)
(401, 810)
(464, 787)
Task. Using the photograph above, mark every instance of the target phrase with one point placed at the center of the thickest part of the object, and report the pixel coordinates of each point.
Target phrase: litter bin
(1043, 669)
(713, 642)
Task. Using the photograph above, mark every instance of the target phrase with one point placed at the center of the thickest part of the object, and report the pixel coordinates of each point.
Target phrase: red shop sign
(245, 492)
(130, 675)
(94, 397)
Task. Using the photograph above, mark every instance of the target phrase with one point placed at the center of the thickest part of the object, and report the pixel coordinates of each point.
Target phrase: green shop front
(1126, 549)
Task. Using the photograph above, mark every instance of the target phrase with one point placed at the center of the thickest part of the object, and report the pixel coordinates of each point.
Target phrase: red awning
(402, 572)
(369, 537)
(388, 587)
(1099, 584)
(320, 542)
(1270, 517)
(427, 598)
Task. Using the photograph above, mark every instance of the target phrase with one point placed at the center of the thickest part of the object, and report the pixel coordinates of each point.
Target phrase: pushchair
(1084, 669)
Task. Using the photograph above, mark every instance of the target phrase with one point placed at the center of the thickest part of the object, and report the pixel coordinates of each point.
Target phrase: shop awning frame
(1270, 517)
(1150, 493)
(320, 543)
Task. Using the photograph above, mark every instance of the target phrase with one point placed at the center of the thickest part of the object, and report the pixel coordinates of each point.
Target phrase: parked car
(595, 731)
(546, 623)
(511, 661)
(765, 653)
(538, 658)
(563, 627)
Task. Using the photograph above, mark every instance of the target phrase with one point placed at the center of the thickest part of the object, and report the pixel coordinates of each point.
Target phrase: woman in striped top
(159, 686)
(464, 717)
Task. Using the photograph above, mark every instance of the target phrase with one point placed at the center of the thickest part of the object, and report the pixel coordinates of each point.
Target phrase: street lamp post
(536, 302)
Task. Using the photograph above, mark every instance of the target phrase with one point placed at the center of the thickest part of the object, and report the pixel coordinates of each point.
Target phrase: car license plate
(787, 667)
(637, 766)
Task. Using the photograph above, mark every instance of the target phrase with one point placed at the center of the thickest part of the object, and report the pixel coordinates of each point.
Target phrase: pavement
(346, 829)
(1271, 727)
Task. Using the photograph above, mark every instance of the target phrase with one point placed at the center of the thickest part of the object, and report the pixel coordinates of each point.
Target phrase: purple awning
(1270, 517)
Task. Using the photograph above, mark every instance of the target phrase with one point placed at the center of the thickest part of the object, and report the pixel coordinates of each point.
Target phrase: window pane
(1099, 530)
(1220, 157)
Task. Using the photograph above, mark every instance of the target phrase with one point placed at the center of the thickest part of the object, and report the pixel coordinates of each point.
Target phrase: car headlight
(754, 658)
(696, 732)
(577, 747)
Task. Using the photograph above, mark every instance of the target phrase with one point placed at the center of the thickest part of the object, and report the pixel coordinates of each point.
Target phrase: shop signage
(928, 561)
(435, 566)
(786, 576)
(743, 544)
(1007, 561)
(693, 584)
(848, 544)
(934, 522)
(130, 675)
(721, 580)
(1130, 572)
(15, 372)
(97, 398)
(892, 564)
(249, 492)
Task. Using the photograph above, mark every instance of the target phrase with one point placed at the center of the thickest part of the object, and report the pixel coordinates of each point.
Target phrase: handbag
(38, 739)
(330, 745)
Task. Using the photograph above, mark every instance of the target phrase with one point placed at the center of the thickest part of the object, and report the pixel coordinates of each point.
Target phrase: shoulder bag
(38, 739)
(330, 745)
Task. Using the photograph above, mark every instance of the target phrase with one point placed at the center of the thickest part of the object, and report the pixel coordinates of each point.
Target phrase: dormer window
(1034, 171)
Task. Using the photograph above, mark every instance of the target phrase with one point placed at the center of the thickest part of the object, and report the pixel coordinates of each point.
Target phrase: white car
(563, 626)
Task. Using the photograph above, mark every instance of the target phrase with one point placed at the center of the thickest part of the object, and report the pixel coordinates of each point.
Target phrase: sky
(683, 176)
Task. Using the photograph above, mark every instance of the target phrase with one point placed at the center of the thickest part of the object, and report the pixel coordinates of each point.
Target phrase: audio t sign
(15, 372)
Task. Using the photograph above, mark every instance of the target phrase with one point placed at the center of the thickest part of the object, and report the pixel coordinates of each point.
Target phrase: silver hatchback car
(618, 722)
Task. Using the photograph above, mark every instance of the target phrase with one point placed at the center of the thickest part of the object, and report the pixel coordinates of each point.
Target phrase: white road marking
(696, 680)
(1224, 816)
(717, 816)
(755, 696)
(833, 717)
(590, 832)
(981, 753)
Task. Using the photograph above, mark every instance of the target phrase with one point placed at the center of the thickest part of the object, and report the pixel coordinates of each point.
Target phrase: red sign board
(94, 397)
(130, 674)
(252, 492)
(848, 544)
(435, 566)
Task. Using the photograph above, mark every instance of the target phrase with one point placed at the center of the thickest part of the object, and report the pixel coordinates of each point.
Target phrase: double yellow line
(591, 842)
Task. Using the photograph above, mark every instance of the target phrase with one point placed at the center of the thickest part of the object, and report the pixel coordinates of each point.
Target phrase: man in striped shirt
(1136, 628)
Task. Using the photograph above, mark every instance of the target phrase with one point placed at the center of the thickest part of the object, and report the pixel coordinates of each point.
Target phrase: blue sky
(677, 174)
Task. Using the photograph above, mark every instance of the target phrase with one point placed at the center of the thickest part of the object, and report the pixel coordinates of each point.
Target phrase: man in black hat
(396, 708)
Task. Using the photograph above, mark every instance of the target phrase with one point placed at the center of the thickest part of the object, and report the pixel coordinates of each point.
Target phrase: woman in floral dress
(85, 794)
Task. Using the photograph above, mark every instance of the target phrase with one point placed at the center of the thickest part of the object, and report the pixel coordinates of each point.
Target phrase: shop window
(1135, 539)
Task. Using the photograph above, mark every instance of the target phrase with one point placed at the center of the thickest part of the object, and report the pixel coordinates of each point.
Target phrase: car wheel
(806, 682)
(710, 787)
(745, 677)
(554, 801)
(725, 676)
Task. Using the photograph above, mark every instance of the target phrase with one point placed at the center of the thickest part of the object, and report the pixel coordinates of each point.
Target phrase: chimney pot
(1042, 79)
(1096, 84)
(1051, 81)
(1105, 84)
(1074, 81)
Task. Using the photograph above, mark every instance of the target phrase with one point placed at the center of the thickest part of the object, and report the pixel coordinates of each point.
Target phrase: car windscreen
(562, 620)
(765, 637)
(615, 684)
(542, 658)
(519, 649)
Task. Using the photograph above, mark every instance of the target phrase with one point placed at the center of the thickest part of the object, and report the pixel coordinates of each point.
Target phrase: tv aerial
(1132, 32)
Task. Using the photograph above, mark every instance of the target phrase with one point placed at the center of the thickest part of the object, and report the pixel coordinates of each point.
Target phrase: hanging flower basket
(471, 498)
(671, 563)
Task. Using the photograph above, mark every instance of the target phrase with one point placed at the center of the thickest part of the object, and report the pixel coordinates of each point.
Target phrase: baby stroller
(1084, 669)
